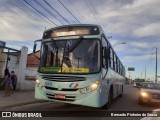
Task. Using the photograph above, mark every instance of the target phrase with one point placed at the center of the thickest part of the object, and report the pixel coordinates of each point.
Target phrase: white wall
(13, 64)
(19, 66)
(31, 71)
(24, 71)
(2, 63)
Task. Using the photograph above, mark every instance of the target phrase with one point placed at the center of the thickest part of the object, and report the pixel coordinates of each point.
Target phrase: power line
(29, 9)
(18, 8)
(56, 11)
(90, 9)
(96, 11)
(21, 12)
(48, 11)
(40, 13)
(14, 5)
(68, 10)
(76, 9)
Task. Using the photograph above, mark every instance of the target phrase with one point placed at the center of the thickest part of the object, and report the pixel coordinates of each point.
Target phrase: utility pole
(145, 73)
(156, 68)
(129, 75)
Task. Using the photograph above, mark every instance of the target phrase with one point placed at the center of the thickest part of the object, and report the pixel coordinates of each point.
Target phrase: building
(32, 61)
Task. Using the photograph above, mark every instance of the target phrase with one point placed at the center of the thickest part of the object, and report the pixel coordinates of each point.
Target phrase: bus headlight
(82, 90)
(42, 87)
(90, 88)
(39, 84)
(37, 81)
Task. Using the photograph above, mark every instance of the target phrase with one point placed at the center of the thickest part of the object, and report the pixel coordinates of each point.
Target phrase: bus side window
(111, 59)
(118, 67)
(121, 69)
(117, 64)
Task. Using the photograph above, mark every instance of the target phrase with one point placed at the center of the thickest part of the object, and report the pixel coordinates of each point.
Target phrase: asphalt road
(128, 102)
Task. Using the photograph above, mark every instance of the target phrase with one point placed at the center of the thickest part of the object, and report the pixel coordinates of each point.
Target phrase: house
(32, 61)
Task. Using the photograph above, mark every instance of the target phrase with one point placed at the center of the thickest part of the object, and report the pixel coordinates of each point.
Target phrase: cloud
(143, 45)
(19, 28)
(152, 29)
(140, 44)
(126, 18)
(137, 58)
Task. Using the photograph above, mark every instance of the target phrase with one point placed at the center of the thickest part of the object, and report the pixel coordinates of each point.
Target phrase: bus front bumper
(91, 99)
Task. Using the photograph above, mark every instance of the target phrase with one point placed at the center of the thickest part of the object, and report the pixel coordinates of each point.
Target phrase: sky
(135, 22)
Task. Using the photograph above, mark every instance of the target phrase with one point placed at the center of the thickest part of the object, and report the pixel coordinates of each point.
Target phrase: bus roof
(76, 25)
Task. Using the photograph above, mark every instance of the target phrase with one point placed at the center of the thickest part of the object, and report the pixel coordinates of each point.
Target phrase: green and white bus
(78, 66)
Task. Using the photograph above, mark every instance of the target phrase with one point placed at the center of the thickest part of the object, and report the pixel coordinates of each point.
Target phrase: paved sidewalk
(16, 99)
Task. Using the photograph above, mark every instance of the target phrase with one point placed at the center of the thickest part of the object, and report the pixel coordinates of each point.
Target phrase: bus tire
(108, 104)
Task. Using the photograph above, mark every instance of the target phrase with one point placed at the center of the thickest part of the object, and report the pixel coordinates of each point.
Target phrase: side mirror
(107, 52)
(34, 47)
(106, 55)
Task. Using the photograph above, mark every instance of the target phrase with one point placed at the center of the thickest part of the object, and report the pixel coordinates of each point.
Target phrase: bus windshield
(70, 56)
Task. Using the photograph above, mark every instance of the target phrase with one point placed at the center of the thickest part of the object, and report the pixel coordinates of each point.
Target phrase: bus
(78, 66)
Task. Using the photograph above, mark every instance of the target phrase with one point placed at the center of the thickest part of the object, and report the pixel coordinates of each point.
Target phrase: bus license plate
(59, 96)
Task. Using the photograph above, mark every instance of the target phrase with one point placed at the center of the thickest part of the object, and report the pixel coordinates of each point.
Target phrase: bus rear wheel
(121, 92)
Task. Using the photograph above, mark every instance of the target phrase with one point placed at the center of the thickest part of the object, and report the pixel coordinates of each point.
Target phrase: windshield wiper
(72, 47)
(53, 48)
(76, 44)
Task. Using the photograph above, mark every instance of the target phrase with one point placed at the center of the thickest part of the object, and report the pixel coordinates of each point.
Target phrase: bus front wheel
(108, 104)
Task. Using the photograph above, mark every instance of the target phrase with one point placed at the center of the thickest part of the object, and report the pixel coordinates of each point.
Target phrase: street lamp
(108, 37)
(156, 65)
(119, 44)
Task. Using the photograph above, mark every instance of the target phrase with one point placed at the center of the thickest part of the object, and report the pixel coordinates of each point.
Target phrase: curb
(22, 104)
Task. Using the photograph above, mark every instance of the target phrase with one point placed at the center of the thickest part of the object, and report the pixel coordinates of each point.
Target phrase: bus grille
(63, 78)
(68, 98)
(63, 89)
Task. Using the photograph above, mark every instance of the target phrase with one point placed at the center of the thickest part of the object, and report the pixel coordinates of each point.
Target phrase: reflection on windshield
(151, 86)
(70, 56)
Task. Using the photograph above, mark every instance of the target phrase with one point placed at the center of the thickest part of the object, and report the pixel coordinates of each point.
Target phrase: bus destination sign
(71, 31)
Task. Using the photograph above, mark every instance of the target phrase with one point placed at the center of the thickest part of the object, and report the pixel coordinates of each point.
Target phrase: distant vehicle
(149, 93)
(137, 82)
(127, 81)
